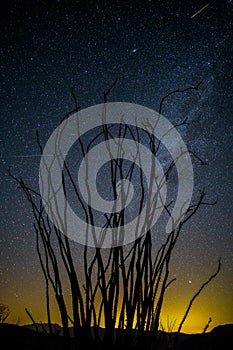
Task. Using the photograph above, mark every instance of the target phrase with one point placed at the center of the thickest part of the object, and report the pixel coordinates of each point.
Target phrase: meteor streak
(202, 9)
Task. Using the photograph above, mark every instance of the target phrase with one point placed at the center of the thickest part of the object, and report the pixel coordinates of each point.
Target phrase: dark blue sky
(153, 47)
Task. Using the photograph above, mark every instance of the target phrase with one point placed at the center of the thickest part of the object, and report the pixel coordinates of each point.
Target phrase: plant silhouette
(122, 288)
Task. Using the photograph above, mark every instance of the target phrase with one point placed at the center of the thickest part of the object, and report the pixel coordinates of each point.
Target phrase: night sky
(152, 47)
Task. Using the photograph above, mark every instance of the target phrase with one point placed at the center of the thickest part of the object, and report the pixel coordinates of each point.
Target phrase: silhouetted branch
(196, 87)
(207, 325)
(75, 98)
(32, 319)
(169, 283)
(197, 157)
(106, 93)
(195, 296)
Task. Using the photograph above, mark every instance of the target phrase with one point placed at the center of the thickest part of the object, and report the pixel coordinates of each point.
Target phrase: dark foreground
(24, 338)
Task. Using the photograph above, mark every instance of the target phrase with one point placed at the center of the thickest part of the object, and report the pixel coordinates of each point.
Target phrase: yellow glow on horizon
(213, 302)
(196, 321)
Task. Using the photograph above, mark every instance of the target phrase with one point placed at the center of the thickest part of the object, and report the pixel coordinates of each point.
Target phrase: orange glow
(215, 301)
(218, 307)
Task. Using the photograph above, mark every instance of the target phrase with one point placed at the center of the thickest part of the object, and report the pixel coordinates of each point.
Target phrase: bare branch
(106, 93)
(195, 296)
(75, 98)
(196, 87)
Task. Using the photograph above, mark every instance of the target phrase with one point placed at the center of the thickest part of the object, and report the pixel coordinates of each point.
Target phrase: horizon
(31, 325)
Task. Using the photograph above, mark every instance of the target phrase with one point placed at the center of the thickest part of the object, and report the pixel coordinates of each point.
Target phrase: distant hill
(220, 338)
(23, 338)
(44, 328)
(27, 338)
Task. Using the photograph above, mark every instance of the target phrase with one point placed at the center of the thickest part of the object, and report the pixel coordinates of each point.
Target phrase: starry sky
(153, 47)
